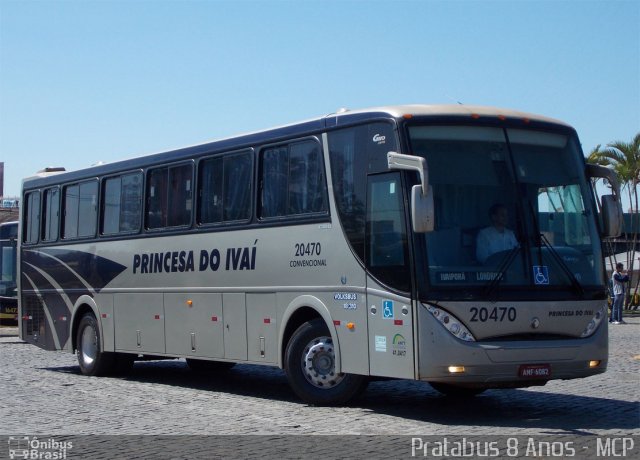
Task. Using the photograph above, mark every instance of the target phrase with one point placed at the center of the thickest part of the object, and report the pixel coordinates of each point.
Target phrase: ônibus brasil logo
(25, 447)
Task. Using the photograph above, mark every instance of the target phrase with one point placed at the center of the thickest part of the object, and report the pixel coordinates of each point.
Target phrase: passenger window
(169, 196)
(51, 214)
(88, 209)
(71, 200)
(225, 189)
(122, 200)
(80, 210)
(293, 180)
(32, 214)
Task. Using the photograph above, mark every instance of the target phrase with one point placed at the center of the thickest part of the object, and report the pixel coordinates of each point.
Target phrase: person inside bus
(497, 237)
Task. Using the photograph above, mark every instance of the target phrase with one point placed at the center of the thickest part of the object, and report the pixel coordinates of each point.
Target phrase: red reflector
(214, 318)
(25, 317)
(157, 316)
(475, 116)
(104, 315)
(267, 321)
(397, 322)
(502, 117)
(336, 322)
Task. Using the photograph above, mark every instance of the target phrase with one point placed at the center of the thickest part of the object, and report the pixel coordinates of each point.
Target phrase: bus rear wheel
(92, 360)
(310, 367)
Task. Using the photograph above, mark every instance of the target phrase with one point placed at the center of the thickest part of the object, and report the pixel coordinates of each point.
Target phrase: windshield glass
(8, 267)
(510, 209)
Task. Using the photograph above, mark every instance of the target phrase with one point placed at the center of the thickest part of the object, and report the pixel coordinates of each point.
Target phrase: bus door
(389, 279)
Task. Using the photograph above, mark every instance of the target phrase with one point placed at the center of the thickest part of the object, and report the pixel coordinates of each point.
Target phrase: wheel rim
(319, 363)
(89, 345)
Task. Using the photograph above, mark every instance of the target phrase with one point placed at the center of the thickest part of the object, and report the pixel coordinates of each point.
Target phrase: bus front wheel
(310, 367)
(92, 360)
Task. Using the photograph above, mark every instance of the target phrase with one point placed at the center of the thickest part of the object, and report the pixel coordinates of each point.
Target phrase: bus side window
(157, 198)
(180, 195)
(225, 188)
(293, 181)
(32, 214)
(71, 199)
(121, 200)
(170, 196)
(51, 214)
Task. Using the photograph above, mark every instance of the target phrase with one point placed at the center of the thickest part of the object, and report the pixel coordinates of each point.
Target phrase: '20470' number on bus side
(308, 249)
(495, 314)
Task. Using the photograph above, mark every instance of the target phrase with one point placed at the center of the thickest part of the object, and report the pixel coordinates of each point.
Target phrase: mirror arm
(602, 172)
(397, 160)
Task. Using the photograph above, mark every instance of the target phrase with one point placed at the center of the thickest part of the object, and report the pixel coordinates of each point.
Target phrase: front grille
(527, 337)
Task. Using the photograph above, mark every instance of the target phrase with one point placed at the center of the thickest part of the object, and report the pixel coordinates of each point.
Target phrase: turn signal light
(351, 326)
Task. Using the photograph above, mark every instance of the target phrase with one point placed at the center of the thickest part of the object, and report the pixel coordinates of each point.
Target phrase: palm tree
(624, 158)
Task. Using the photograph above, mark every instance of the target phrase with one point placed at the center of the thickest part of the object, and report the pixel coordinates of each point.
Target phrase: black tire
(310, 367)
(456, 391)
(208, 367)
(92, 360)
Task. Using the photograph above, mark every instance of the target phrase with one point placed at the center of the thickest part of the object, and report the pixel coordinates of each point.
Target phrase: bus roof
(341, 118)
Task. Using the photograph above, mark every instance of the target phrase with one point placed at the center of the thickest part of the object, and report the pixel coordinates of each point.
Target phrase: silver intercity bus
(456, 245)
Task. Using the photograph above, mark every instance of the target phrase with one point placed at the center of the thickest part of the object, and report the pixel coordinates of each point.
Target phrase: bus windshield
(513, 209)
(8, 233)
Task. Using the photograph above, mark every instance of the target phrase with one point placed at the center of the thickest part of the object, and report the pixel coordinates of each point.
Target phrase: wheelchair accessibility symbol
(540, 274)
(387, 309)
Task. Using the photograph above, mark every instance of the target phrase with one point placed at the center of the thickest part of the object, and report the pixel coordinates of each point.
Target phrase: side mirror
(422, 210)
(422, 207)
(611, 209)
(611, 216)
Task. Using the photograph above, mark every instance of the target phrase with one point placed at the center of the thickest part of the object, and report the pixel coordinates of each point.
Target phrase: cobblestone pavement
(43, 393)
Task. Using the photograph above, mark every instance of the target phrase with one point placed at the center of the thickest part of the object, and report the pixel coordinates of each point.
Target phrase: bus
(8, 255)
(341, 249)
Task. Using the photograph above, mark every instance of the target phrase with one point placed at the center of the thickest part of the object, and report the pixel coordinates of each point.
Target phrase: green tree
(624, 158)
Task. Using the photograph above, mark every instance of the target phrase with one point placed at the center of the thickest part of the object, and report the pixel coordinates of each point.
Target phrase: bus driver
(496, 237)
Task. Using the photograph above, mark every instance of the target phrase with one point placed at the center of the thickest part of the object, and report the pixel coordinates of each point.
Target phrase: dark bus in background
(8, 297)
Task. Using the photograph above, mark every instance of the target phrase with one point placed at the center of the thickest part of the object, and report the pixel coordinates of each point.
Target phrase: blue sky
(82, 82)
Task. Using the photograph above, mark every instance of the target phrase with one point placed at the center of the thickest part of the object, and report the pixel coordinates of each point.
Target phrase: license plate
(535, 371)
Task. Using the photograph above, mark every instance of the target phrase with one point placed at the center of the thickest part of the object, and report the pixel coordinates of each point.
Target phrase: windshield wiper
(572, 278)
(543, 239)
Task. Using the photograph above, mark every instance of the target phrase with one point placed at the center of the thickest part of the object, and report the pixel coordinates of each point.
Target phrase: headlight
(594, 323)
(451, 323)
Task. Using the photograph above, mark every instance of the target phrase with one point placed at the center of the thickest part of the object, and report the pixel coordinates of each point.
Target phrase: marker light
(351, 326)
(593, 364)
(456, 369)
(594, 323)
(189, 302)
(452, 324)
